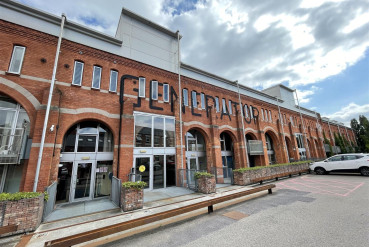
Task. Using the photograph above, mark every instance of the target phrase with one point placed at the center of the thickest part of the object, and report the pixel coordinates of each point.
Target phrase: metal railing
(134, 177)
(10, 145)
(255, 147)
(50, 203)
(116, 187)
(187, 178)
(223, 175)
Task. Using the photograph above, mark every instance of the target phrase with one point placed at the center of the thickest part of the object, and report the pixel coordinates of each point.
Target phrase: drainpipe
(284, 138)
(243, 125)
(49, 104)
(303, 125)
(319, 129)
(121, 104)
(180, 97)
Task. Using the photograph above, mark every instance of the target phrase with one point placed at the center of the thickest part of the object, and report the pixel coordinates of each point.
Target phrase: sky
(318, 47)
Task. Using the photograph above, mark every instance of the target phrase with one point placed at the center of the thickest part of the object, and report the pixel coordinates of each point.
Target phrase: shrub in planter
(205, 182)
(132, 195)
(23, 209)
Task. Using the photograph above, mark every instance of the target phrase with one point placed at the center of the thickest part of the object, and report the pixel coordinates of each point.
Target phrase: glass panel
(158, 132)
(194, 99)
(13, 178)
(83, 180)
(222, 145)
(141, 87)
(193, 164)
(6, 118)
(166, 93)
(86, 143)
(77, 75)
(88, 128)
(171, 170)
(69, 140)
(143, 127)
(64, 180)
(246, 110)
(96, 77)
(2, 176)
(191, 145)
(158, 171)
(185, 97)
(170, 132)
(230, 162)
(23, 120)
(154, 90)
(202, 101)
(104, 174)
(202, 163)
(106, 142)
(17, 59)
(230, 106)
(224, 161)
(200, 143)
(217, 104)
(146, 174)
(113, 81)
(224, 106)
(7, 102)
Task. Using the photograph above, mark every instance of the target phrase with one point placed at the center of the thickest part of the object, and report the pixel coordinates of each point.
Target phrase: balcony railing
(10, 145)
(255, 147)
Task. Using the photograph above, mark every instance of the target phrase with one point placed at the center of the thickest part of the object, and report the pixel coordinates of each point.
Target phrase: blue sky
(320, 48)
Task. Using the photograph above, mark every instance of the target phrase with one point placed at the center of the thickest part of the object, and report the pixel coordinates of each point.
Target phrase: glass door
(143, 167)
(82, 184)
(192, 167)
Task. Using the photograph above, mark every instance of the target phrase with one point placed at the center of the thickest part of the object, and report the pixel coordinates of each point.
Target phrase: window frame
(116, 81)
(74, 72)
(185, 96)
(166, 94)
(262, 114)
(230, 106)
(154, 85)
(224, 106)
(12, 58)
(194, 98)
(141, 83)
(202, 97)
(217, 104)
(93, 77)
(270, 116)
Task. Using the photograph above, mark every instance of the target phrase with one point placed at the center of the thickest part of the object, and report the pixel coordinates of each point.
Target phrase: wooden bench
(108, 230)
(8, 228)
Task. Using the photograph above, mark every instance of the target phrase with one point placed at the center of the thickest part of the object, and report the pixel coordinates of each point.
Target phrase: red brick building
(116, 107)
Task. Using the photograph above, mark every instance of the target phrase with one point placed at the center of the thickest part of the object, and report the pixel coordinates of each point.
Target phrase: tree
(361, 130)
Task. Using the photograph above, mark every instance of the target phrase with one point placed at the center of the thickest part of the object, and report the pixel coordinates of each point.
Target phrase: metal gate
(116, 187)
(49, 205)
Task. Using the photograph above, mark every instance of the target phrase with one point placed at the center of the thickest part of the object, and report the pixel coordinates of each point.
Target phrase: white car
(343, 163)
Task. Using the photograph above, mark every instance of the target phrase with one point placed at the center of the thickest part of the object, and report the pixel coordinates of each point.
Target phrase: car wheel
(320, 171)
(364, 171)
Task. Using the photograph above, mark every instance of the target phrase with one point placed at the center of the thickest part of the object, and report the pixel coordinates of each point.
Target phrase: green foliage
(361, 130)
(134, 185)
(203, 174)
(276, 165)
(326, 141)
(21, 195)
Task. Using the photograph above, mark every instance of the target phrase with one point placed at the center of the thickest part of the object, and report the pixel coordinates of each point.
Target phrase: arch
(273, 147)
(254, 160)
(291, 153)
(197, 149)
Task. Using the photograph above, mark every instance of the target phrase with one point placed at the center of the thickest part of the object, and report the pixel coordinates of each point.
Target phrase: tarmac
(155, 202)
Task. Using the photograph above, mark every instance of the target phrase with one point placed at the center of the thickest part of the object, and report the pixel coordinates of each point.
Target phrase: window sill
(75, 85)
(12, 73)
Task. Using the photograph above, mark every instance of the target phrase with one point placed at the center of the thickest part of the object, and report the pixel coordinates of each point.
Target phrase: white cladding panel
(287, 96)
(48, 27)
(147, 44)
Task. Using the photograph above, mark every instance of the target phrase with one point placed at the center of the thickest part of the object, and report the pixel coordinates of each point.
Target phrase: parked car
(343, 163)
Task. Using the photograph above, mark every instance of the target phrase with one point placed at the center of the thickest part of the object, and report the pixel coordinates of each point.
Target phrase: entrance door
(144, 161)
(82, 186)
(192, 167)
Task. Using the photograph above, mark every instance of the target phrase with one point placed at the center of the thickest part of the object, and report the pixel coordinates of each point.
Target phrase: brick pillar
(179, 169)
(282, 142)
(239, 144)
(214, 146)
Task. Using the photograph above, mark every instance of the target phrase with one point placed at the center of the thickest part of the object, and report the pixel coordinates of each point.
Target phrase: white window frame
(74, 72)
(251, 112)
(141, 87)
(224, 106)
(166, 93)
(230, 106)
(202, 96)
(185, 96)
(217, 104)
(266, 115)
(154, 85)
(93, 77)
(246, 109)
(116, 80)
(12, 59)
(194, 99)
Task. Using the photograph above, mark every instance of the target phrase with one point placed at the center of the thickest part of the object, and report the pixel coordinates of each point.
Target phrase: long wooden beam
(108, 230)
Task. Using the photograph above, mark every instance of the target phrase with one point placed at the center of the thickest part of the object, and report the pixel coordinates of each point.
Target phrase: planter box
(24, 213)
(131, 199)
(206, 185)
(267, 173)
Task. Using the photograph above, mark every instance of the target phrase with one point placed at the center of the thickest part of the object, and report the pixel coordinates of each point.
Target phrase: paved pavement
(308, 210)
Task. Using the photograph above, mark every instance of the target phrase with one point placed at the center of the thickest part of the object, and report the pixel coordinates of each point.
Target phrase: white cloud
(349, 112)
(304, 95)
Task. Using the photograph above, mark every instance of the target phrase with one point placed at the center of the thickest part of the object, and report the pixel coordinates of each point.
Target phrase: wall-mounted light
(43, 60)
(66, 66)
(80, 52)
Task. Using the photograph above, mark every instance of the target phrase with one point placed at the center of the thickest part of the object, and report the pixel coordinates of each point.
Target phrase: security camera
(52, 128)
